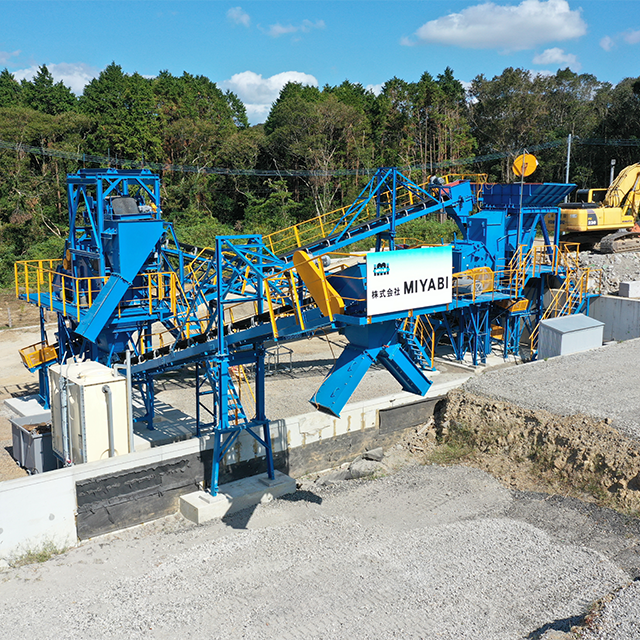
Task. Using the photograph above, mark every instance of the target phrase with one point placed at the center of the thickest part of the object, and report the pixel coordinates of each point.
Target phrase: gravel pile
(616, 268)
(602, 383)
(619, 619)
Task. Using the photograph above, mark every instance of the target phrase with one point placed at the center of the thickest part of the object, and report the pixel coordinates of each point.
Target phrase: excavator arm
(624, 191)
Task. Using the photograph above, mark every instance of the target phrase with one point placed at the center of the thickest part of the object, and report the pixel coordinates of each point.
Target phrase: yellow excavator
(605, 219)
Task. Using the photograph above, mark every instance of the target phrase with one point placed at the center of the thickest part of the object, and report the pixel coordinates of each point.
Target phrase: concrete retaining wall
(621, 317)
(62, 506)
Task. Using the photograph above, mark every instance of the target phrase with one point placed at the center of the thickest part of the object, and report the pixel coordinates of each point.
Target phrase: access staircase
(572, 297)
(417, 336)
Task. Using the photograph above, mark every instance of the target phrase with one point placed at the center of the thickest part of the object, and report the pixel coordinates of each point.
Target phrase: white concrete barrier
(41, 509)
(37, 511)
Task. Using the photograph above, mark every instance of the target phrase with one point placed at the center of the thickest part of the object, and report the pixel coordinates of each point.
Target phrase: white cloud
(75, 76)
(557, 56)
(542, 73)
(257, 113)
(26, 74)
(277, 30)
(376, 89)
(607, 43)
(237, 15)
(258, 93)
(511, 27)
(6, 55)
(631, 37)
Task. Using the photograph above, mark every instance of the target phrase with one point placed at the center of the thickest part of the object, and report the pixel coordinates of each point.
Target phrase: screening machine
(126, 290)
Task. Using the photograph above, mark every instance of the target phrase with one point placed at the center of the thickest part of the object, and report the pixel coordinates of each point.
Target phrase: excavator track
(622, 241)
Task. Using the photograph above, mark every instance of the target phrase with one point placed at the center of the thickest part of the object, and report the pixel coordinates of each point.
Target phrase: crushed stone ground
(429, 552)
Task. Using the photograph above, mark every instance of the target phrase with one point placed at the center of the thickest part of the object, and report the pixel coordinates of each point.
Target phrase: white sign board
(408, 279)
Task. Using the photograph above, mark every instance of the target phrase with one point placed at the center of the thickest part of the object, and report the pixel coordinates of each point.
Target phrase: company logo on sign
(381, 269)
(409, 279)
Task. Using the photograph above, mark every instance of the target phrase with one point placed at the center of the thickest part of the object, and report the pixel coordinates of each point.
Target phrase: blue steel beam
(377, 342)
(235, 271)
(457, 200)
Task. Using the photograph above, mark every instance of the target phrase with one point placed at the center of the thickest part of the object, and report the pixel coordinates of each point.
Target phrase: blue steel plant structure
(126, 288)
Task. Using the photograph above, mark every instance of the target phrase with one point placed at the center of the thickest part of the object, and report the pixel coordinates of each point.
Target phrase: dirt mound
(572, 455)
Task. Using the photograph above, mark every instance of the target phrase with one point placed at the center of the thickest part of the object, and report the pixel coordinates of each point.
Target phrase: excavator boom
(606, 223)
(624, 191)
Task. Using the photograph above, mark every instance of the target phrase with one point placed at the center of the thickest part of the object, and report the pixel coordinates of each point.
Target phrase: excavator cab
(590, 196)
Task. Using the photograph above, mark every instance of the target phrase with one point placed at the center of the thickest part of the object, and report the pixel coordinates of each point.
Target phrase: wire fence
(125, 163)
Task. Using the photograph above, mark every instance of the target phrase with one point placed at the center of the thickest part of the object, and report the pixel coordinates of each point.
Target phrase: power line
(277, 173)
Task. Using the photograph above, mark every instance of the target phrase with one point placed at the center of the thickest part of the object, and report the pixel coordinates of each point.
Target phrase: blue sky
(254, 47)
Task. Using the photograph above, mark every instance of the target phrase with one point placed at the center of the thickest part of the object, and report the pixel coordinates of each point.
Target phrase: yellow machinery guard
(326, 297)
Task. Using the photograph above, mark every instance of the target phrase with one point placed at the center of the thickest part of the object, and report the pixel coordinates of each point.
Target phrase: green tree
(508, 113)
(621, 120)
(572, 109)
(47, 96)
(197, 122)
(124, 109)
(394, 144)
(33, 206)
(439, 124)
(312, 130)
(276, 211)
(10, 90)
(422, 124)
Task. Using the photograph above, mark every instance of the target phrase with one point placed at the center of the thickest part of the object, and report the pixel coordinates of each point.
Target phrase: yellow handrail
(570, 295)
(316, 228)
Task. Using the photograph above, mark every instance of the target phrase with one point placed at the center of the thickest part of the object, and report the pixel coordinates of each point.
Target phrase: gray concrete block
(569, 334)
(200, 506)
(27, 406)
(629, 289)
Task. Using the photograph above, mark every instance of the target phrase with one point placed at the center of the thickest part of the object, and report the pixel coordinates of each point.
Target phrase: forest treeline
(330, 137)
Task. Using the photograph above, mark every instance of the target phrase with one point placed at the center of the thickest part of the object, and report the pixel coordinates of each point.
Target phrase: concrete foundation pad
(25, 406)
(200, 506)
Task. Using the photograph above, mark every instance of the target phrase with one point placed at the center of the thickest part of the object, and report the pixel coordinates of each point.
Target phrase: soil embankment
(576, 455)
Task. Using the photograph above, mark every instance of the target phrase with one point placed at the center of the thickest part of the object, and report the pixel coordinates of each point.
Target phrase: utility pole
(613, 166)
(566, 174)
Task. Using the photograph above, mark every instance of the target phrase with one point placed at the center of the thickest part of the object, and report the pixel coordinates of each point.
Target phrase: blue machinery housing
(126, 287)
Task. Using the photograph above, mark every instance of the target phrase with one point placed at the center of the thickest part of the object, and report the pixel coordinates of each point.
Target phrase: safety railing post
(39, 278)
(50, 277)
(78, 299)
